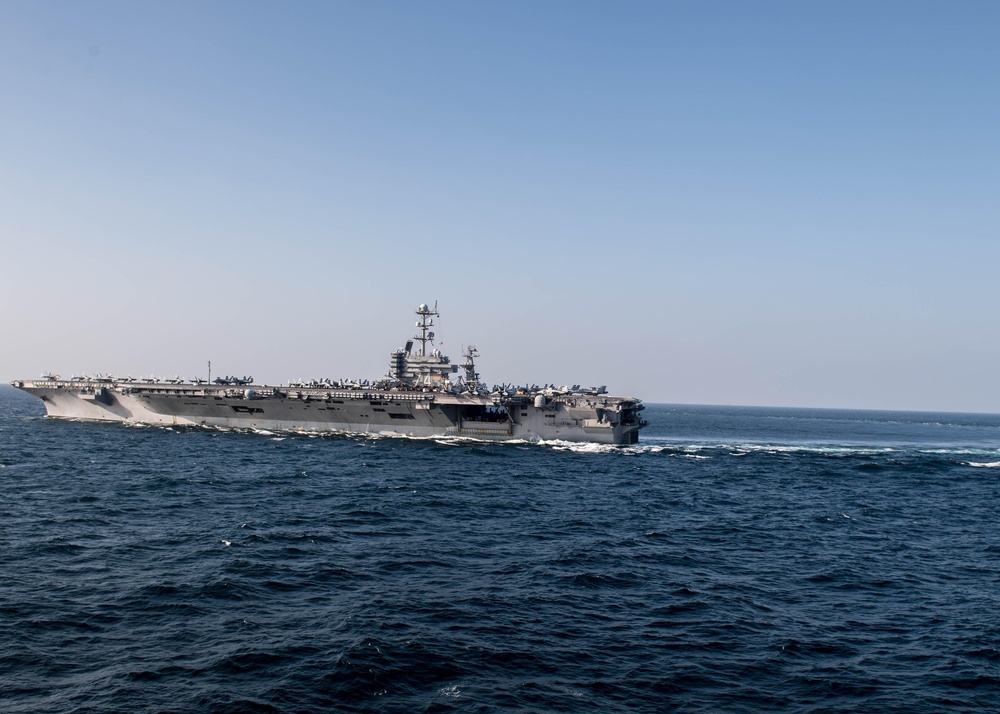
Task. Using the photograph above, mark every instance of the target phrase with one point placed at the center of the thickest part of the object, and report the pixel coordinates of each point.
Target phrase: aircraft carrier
(423, 394)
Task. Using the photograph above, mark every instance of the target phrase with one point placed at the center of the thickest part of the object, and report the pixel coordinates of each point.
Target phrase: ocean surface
(737, 560)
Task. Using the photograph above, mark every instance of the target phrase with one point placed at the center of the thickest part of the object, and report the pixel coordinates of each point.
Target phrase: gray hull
(590, 418)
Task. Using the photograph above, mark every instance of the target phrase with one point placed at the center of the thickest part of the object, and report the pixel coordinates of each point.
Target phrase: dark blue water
(738, 560)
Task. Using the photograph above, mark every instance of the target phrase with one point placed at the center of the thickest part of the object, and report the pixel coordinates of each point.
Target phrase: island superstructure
(423, 394)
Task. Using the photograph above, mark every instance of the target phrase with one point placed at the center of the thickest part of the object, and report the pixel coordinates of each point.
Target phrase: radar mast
(426, 323)
(471, 375)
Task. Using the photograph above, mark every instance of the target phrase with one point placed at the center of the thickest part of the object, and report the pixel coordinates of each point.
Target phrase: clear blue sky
(773, 203)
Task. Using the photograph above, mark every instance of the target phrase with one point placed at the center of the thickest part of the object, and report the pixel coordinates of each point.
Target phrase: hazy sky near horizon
(767, 203)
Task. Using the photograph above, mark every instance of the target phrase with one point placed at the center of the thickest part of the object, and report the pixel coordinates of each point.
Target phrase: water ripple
(736, 560)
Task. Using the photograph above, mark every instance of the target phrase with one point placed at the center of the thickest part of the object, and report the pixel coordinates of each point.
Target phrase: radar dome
(422, 308)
